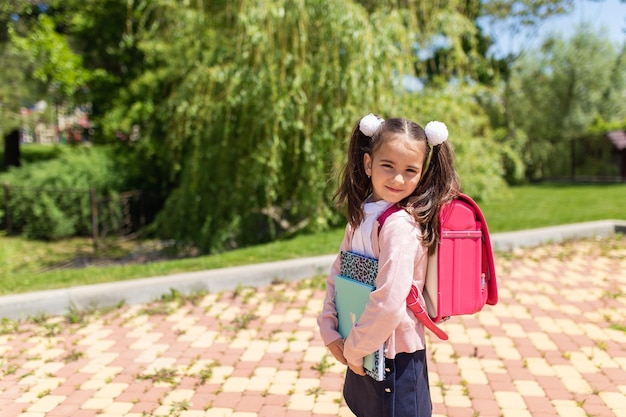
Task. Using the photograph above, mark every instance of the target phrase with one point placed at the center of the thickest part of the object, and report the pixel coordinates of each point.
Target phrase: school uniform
(402, 262)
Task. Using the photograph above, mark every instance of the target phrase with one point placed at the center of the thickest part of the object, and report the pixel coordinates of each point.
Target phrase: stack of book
(353, 285)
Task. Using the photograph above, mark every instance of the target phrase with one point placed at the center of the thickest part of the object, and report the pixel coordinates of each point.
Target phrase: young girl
(393, 161)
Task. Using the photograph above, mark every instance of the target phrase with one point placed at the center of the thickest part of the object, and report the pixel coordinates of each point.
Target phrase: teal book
(351, 297)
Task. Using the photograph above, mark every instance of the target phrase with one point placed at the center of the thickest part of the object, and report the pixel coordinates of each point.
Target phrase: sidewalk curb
(556, 234)
(20, 306)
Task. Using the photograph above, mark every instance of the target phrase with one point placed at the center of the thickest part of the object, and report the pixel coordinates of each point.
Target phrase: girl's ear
(367, 164)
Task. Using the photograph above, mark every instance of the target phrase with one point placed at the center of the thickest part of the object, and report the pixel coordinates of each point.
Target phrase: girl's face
(395, 168)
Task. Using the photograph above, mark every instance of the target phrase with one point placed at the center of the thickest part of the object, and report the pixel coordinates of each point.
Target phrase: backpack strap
(415, 304)
(413, 300)
(383, 216)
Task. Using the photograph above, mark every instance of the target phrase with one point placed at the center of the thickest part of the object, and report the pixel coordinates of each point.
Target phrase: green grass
(21, 261)
(34, 152)
(535, 206)
(25, 265)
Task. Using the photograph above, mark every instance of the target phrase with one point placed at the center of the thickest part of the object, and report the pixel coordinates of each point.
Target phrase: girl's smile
(395, 168)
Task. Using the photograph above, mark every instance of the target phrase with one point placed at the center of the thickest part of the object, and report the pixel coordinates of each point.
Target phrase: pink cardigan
(402, 261)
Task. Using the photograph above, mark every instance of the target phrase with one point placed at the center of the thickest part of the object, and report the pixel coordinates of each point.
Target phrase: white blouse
(362, 239)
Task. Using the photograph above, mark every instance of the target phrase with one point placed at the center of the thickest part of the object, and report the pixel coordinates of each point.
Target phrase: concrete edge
(136, 291)
(555, 234)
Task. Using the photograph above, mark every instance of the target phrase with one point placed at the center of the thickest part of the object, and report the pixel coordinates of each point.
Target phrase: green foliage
(557, 94)
(243, 109)
(55, 64)
(519, 19)
(66, 51)
(51, 200)
(261, 121)
(43, 218)
(525, 12)
(478, 156)
(444, 37)
(14, 88)
(246, 113)
(103, 32)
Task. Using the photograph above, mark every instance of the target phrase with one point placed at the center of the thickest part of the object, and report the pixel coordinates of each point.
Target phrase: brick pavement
(555, 345)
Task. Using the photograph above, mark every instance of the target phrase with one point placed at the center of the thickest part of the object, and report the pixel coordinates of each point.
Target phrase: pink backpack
(461, 276)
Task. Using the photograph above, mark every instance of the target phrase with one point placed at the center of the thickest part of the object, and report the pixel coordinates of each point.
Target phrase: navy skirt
(404, 392)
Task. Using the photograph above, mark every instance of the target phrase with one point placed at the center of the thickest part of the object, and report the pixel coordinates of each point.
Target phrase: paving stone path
(555, 345)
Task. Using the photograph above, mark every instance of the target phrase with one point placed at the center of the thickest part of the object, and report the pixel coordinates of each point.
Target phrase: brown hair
(438, 185)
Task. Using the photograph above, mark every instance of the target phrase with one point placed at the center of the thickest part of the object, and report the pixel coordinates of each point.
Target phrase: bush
(51, 200)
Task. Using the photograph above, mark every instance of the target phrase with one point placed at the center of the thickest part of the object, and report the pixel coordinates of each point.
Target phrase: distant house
(45, 133)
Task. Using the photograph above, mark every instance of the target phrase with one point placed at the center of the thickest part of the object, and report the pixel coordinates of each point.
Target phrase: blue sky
(607, 15)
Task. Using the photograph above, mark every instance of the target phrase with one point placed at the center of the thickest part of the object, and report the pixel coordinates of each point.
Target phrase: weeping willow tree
(259, 100)
(256, 100)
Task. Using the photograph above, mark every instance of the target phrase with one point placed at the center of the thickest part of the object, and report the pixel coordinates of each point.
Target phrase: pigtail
(355, 186)
(439, 186)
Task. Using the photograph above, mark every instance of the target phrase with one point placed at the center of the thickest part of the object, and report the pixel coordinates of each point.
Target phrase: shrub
(51, 199)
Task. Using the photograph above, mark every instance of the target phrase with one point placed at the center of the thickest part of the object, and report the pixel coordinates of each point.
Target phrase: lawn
(30, 265)
(535, 206)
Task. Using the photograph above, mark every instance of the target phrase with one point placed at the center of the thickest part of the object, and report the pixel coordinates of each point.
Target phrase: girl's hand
(357, 369)
(336, 348)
